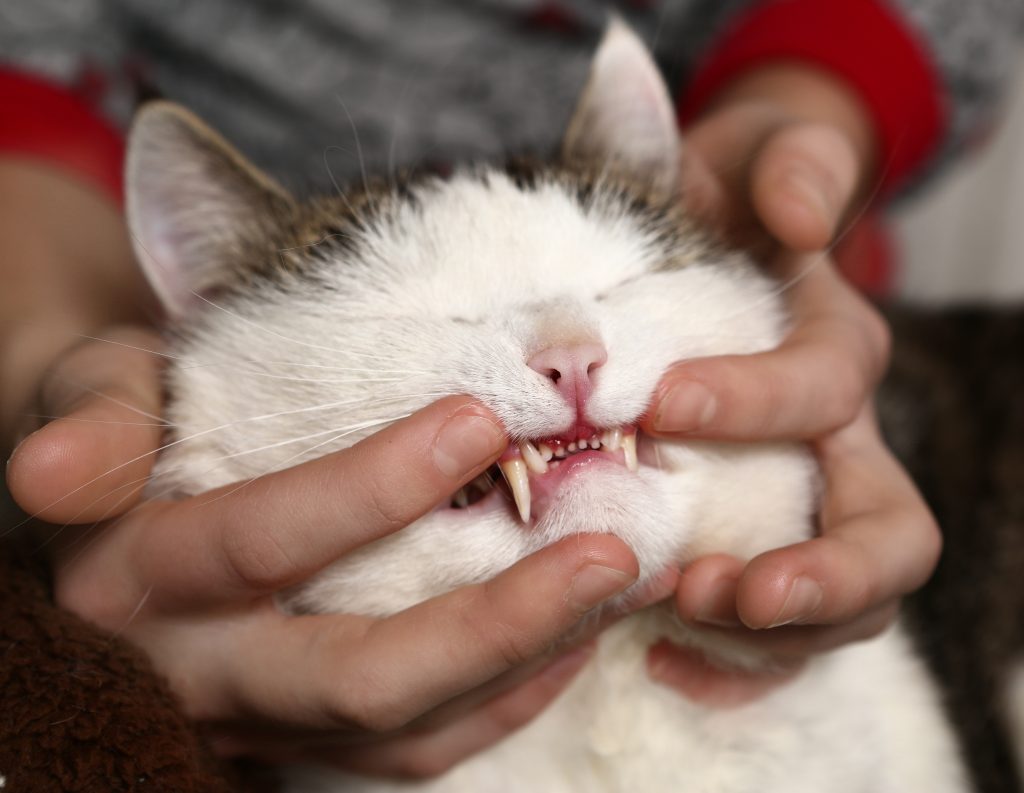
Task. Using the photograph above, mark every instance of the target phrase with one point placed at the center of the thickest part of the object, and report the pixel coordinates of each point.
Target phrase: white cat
(557, 295)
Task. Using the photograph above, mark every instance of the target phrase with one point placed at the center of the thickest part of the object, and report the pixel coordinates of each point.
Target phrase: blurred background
(963, 239)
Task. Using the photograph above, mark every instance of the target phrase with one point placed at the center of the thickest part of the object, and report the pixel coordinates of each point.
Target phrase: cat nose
(571, 368)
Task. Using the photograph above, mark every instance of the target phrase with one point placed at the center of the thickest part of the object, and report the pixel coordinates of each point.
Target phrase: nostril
(565, 365)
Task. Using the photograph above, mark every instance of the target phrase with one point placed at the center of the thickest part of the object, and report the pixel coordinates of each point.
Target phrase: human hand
(192, 582)
(776, 166)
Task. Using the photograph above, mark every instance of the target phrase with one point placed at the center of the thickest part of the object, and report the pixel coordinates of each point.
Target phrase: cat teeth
(629, 450)
(545, 452)
(534, 460)
(612, 439)
(517, 475)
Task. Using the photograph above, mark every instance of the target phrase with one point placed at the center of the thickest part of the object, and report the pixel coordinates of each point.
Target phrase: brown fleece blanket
(81, 711)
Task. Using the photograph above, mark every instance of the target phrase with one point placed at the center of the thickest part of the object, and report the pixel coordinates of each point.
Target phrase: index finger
(814, 382)
(277, 530)
(878, 542)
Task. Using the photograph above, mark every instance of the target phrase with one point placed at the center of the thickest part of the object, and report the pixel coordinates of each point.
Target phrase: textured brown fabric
(81, 711)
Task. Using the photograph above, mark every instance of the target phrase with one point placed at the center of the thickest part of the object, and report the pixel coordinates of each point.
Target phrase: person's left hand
(775, 166)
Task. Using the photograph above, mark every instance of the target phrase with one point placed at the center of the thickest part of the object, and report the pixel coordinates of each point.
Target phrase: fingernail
(802, 602)
(687, 406)
(594, 584)
(466, 441)
(812, 194)
(719, 607)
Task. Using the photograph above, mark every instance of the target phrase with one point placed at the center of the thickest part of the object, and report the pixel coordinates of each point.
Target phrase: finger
(878, 542)
(802, 182)
(814, 382)
(689, 672)
(275, 531)
(431, 753)
(791, 644)
(92, 461)
(704, 194)
(340, 672)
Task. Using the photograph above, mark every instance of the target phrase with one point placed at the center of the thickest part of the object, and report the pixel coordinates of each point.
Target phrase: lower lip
(544, 487)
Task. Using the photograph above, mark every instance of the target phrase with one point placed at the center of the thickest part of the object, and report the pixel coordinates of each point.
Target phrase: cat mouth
(539, 467)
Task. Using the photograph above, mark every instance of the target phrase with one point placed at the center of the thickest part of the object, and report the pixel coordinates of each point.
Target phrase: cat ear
(194, 204)
(625, 117)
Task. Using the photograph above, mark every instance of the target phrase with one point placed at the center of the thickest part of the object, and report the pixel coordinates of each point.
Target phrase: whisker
(349, 431)
(98, 421)
(256, 325)
(359, 147)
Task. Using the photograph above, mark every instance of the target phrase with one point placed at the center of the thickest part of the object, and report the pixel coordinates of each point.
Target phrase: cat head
(556, 293)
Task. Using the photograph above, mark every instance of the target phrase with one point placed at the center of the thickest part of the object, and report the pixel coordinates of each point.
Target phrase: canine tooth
(572, 446)
(629, 450)
(613, 439)
(461, 498)
(516, 475)
(534, 461)
(545, 452)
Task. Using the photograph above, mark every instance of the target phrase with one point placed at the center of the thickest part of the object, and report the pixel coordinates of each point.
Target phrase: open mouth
(538, 467)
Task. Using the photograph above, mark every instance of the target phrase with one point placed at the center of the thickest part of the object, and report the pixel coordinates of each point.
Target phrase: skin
(783, 157)
(191, 582)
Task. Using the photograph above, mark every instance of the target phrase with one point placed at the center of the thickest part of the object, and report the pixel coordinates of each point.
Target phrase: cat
(557, 294)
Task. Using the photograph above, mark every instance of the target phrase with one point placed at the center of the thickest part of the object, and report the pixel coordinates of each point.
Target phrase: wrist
(805, 93)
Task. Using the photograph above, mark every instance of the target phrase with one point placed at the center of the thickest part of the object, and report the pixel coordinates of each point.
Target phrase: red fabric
(862, 41)
(868, 257)
(41, 120)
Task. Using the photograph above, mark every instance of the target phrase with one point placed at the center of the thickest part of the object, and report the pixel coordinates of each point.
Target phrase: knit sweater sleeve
(974, 47)
(65, 91)
(930, 72)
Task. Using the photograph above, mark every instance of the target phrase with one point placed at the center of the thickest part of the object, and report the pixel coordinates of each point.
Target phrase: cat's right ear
(193, 204)
(625, 119)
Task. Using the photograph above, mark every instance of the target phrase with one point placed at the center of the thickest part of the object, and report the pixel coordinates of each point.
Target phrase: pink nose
(571, 368)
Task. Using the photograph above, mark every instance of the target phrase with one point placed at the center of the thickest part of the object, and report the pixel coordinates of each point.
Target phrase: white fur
(861, 719)
(452, 293)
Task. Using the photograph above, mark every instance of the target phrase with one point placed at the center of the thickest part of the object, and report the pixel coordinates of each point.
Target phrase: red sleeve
(864, 42)
(44, 121)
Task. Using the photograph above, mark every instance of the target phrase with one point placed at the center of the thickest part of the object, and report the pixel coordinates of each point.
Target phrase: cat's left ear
(625, 118)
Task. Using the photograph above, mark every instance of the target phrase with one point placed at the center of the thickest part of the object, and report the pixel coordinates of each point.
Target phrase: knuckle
(847, 397)
(257, 561)
(931, 541)
(377, 499)
(366, 706)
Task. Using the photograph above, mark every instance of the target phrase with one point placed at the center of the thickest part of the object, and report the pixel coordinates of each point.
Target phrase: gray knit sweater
(304, 86)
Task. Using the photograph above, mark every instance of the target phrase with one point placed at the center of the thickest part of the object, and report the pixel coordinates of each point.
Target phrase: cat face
(555, 294)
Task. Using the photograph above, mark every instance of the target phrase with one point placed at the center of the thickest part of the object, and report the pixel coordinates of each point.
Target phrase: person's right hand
(192, 582)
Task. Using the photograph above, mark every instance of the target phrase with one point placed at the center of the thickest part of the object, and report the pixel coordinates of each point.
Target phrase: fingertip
(706, 591)
(682, 404)
(802, 184)
(83, 467)
(469, 438)
(763, 587)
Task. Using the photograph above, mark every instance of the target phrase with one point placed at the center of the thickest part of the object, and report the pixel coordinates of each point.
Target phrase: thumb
(101, 400)
(802, 183)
